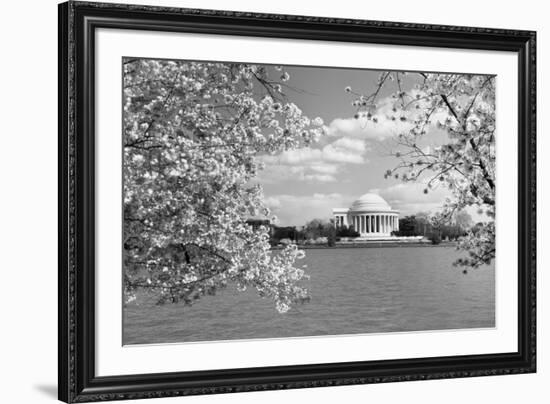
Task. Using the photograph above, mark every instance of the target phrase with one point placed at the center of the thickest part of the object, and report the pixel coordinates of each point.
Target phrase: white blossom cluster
(192, 132)
(462, 108)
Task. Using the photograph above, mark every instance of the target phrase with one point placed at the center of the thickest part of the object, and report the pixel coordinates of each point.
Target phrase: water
(353, 290)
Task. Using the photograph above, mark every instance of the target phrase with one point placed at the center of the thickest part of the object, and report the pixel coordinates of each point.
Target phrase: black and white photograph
(278, 201)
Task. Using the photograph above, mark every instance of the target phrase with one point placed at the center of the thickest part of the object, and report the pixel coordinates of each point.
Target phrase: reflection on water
(353, 290)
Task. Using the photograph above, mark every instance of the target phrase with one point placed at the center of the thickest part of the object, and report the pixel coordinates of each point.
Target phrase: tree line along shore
(416, 229)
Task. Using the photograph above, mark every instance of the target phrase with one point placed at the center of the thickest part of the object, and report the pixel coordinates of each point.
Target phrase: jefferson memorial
(370, 215)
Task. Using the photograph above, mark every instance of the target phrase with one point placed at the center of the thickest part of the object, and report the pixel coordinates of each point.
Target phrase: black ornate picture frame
(78, 22)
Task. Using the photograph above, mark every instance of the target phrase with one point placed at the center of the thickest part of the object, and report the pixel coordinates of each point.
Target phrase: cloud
(319, 177)
(347, 143)
(387, 121)
(409, 198)
(343, 150)
(272, 202)
(313, 164)
(324, 168)
(297, 156)
(363, 128)
(293, 210)
(278, 173)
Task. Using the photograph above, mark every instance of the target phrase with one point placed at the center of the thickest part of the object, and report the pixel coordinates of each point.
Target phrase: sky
(307, 183)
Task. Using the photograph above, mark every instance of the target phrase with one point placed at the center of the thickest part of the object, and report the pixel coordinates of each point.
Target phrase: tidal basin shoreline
(372, 244)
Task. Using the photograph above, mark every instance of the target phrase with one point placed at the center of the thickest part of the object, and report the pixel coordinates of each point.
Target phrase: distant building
(370, 216)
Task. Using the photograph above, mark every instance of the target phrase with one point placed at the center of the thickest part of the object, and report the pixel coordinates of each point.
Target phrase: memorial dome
(370, 202)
